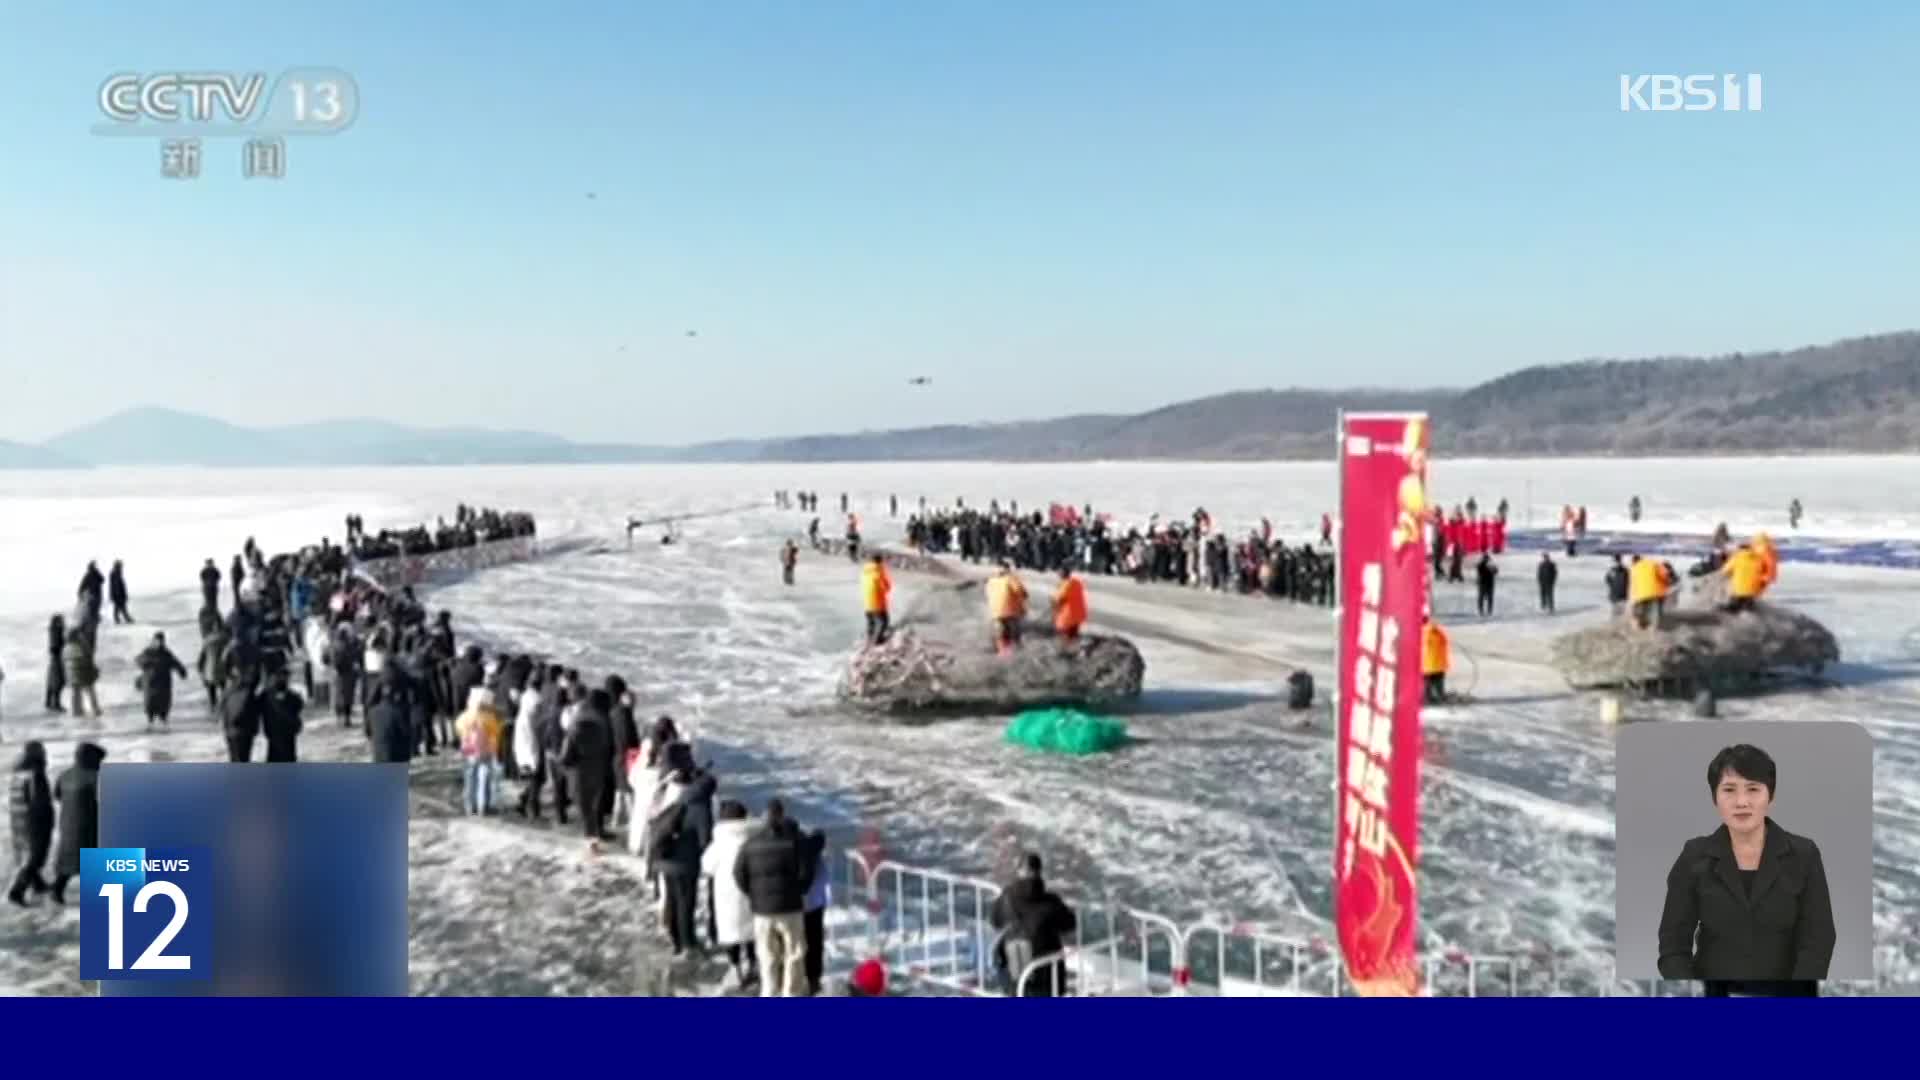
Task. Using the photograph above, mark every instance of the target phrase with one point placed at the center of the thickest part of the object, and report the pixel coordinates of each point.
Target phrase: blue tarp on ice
(1895, 554)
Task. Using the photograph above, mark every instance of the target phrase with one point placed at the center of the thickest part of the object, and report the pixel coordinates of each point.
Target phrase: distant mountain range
(1858, 395)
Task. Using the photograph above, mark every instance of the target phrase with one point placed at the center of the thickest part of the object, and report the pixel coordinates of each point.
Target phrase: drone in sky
(920, 380)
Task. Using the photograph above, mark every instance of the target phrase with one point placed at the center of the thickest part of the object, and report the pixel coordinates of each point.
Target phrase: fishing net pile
(940, 658)
(1066, 731)
(1696, 643)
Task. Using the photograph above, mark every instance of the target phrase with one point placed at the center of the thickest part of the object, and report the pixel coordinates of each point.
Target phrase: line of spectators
(1190, 552)
(470, 526)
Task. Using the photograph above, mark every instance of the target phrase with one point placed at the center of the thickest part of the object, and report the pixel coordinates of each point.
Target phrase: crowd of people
(470, 526)
(1188, 552)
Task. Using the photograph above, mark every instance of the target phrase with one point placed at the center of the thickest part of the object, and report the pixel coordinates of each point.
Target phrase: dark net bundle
(1697, 642)
(941, 659)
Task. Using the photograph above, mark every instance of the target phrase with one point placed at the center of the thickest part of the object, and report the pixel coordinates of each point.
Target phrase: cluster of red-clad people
(1473, 535)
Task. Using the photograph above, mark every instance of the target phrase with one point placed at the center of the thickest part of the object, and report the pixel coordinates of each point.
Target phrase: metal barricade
(1121, 951)
(1244, 962)
(1039, 968)
(935, 926)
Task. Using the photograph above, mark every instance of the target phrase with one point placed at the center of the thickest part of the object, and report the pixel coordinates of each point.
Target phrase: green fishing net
(1066, 731)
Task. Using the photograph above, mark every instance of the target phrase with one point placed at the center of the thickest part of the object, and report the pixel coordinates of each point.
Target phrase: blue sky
(1047, 207)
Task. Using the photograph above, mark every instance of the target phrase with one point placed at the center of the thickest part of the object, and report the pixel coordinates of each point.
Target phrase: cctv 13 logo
(146, 913)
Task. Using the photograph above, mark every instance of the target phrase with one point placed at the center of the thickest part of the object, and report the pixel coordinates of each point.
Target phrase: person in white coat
(731, 914)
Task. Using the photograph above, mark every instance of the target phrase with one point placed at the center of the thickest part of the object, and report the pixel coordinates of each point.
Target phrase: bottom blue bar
(1177, 1038)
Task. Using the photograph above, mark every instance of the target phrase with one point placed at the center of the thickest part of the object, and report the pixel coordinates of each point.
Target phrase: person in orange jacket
(1769, 560)
(1435, 657)
(875, 587)
(1069, 605)
(1746, 572)
(1007, 606)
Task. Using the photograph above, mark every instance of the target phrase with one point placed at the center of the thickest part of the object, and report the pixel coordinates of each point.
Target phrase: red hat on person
(869, 979)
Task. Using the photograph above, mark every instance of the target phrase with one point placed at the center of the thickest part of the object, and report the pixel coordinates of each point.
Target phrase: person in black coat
(587, 751)
(158, 666)
(1036, 922)
(390, 715)
(626, 737)
(210, 585)
(412, 658)
(680, 833)
(553, 701)
(774, 871)
(1617, 583)
(440, 659)
(240, 716)
(1484, 572)
(466, 673)
(78, 791)
(1548, 575)
(56, 663)
(90, 583)
(280, 710)
(1747, 907)
(30, 817)
(117, 593)
(237, 574)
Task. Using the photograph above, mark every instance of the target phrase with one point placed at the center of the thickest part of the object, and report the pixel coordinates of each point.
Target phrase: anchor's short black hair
(1743, 759)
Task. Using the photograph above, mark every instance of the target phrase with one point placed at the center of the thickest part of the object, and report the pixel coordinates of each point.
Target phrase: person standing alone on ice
(117, 593)
(789, 558)
(875, 588)
(1549, 575)
(158, 666)
(1484, 573)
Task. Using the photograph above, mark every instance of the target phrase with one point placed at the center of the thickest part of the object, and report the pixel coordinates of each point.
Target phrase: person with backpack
(679, 835)
(1035, 922)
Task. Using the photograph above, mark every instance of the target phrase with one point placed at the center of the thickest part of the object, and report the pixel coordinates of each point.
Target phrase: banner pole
(1339, 610)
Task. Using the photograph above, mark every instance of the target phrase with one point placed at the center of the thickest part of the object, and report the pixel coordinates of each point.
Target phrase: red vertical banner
(1383, 606)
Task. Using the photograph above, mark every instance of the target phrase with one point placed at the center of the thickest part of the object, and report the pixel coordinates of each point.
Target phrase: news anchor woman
(1747, 908)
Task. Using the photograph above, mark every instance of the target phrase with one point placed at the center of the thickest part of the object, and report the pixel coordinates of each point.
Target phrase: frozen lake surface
(1222, 809)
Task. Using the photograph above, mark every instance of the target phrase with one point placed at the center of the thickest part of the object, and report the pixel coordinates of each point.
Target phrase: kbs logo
(152, 903)
(1689, 93)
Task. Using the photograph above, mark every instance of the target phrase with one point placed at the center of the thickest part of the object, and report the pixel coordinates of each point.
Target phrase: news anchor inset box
(1685, 907)
(295, 879)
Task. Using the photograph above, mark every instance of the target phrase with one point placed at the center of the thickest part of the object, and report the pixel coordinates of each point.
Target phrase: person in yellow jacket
(1746, 572)
(1435, 657)
(479, 730)
(1007, 606)
(1647, 586)
(875, 588)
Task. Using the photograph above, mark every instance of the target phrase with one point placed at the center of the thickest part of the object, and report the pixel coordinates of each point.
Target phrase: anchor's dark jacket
(1711, 929)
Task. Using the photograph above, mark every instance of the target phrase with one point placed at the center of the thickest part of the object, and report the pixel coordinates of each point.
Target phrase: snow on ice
(1222, 811)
